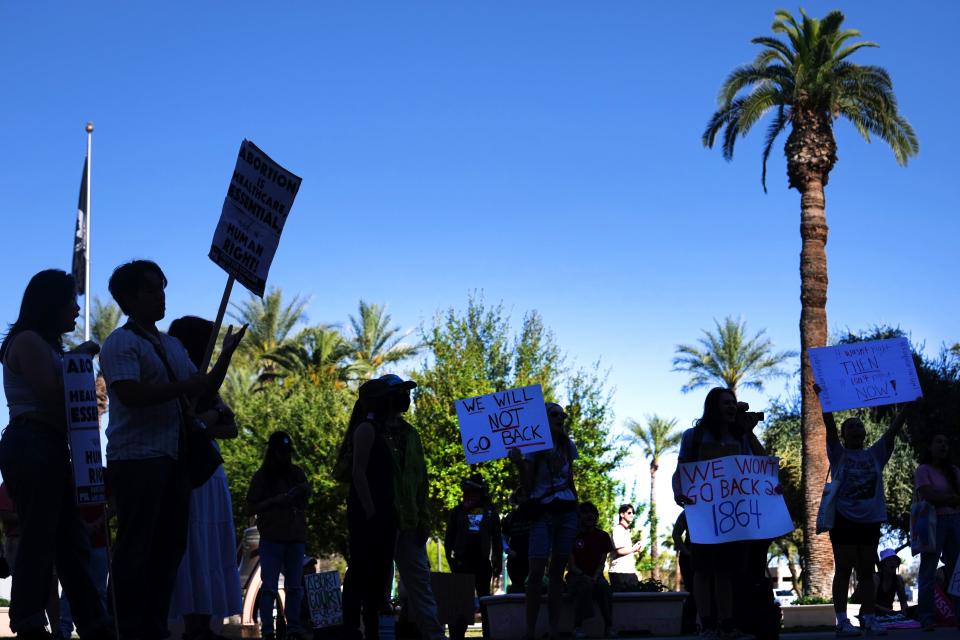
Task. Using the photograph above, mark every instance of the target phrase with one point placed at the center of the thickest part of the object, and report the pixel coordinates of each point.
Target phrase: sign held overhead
(865, 374)
(255, 210)
(492, 424)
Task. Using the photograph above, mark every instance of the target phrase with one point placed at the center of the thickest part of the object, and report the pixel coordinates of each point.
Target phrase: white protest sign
(258, 202)
(80, 394)
(323, 598)
(734, 498)
(492, 424)
(865, 374)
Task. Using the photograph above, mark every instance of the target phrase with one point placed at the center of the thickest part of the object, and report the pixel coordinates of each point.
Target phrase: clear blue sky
(547, 154)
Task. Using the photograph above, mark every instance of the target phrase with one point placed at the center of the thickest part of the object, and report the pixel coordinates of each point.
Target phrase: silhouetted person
(585, 579)
(516, 534)
(35, 462)
(145, 449)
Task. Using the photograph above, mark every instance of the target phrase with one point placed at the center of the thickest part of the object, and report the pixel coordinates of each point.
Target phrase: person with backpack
(937, 481)
(365, 464)
(278, 496)
(547, 478)
(724, 429)
(859, 510)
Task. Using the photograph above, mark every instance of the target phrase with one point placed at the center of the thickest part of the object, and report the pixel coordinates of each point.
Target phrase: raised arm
(890, 435)
(829, 423)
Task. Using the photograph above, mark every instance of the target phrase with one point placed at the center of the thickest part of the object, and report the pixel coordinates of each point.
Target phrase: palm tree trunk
(654, 547)
(813, 333)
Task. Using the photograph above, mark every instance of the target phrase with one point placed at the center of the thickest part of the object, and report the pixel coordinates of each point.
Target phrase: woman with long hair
(724, 429)
(860, 510)
(547, 478)
(278, 496)
(35, 462)
(937, 481)
(208, 583)
(371, 522)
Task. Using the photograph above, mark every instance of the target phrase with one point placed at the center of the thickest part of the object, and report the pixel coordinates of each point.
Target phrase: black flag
(79, 270)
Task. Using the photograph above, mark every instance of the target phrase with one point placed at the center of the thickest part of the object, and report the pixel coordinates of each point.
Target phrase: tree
(808, 82)
(270, 321)
(658, 437)
(730, 358)
(375, 343)
(316, 418)
(319, 354)
(473, 352)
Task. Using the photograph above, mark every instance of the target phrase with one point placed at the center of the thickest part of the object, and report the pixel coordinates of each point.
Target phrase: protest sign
(734, 498)
(492, 424)
(80, 394)
(258, 202)
(865, 374)
(323, 598)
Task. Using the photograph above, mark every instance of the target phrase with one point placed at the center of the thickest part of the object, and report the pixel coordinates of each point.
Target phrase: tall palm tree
(271, 321)
(658, 437)
(374, 342)
(318, 354)
(730, 358)
(808, 82)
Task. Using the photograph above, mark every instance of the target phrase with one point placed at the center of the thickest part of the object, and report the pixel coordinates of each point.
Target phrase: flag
(79, 270)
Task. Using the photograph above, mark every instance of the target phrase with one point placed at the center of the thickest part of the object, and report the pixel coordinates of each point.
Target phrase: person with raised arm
(547, 478)
(35, 462)
(150, 381)
(860, 509)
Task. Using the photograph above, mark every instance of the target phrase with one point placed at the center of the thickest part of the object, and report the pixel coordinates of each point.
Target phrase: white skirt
(208, 581)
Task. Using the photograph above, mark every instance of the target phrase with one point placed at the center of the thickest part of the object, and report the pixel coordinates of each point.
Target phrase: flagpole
(86, 237)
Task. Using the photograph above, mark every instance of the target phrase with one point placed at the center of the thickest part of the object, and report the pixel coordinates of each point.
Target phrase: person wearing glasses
(623, 568)
(547, 478)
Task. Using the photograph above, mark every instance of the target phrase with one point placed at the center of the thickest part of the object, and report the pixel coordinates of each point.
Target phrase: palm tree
(270, 322)
(318, 354)
(730, 358)
(808, 82)
(374, 342)
(658, 437)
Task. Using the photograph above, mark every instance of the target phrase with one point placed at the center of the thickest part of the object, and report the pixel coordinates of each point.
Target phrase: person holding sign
(724, 429)
(859, 510)
(150, 380)
(938, 482)
(371, 522)
(36, 467)
(547, 478)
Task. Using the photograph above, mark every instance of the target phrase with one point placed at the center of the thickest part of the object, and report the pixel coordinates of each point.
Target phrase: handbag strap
(183, 405)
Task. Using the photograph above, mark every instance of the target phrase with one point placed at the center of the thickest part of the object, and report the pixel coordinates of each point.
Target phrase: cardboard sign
(258, 202)
(865, 374)
(80, 394)
(323, 598)
(492, 424)
(734, 498)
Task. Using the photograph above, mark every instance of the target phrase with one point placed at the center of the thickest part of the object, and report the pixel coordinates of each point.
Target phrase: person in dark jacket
(473, 541)
(278, 496)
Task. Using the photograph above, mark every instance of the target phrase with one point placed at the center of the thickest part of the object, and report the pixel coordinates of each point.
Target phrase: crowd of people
(174, 554)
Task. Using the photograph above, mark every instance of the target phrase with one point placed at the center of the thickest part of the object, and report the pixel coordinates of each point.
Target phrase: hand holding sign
(498, 424)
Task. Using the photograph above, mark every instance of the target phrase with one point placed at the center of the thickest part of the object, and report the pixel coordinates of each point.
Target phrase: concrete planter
(808, 615)
(5, 623)
(658, 614)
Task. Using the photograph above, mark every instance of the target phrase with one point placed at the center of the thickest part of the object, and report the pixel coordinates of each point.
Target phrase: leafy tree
(316, 418)
(472, 353)
(374, 342)
(658, 437)
(730, 358)
(808, 82)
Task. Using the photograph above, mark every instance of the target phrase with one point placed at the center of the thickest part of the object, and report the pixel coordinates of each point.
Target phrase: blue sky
(546, 154)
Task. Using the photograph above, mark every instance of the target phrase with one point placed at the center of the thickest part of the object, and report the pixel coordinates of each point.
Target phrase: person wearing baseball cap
(888, 583)
(410, 505)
